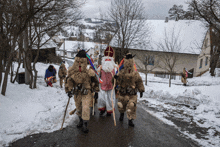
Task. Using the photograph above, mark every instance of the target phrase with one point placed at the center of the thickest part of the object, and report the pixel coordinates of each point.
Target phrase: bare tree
(176, 12)
(17, 16)
(209, 11)
(147, 63)
(170, 46)
(130, 19)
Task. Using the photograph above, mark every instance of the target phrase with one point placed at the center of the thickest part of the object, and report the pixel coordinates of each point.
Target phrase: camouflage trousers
(128, 103)
(82, 103)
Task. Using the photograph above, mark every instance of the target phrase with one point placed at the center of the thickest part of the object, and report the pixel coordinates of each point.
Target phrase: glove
(141, 94)
(116, 77)
(70, 94)
(96, 95)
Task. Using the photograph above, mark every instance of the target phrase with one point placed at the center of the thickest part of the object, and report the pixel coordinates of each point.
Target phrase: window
(72, 54)
(206, 61)
(151, 60)
(201, 60)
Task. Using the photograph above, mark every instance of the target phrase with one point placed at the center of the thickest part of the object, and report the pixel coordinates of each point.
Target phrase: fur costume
(129, 83)
(62, 74)
(82, 82)
(183, 79)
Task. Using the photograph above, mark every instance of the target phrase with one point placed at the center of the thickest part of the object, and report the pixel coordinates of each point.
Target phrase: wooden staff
(93, 111)
(65, 113)
(112, 100)
(72, 112)
(113, 104)
(93, 100)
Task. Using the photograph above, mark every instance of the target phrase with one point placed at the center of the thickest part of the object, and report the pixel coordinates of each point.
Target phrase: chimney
(166, 19)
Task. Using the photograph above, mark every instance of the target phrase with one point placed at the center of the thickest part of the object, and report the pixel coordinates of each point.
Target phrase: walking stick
(72, 112)
(93, 100)
(65, 113)
(112, 101)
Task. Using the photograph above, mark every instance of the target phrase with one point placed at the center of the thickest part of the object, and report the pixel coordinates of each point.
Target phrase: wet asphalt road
(148, 132)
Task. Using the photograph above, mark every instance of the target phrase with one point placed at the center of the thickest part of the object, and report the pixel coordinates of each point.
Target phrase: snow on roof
(82, 21)
(49, 42)
(73, 45)
(191, 35)
(88, 30)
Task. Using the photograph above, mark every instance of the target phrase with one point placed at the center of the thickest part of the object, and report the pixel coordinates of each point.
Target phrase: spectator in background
(62, 73)
(184, 76)
(50, 76)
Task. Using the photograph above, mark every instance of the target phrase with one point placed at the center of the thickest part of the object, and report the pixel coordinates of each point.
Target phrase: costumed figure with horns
(81, 82)
(106, 70)
(62, 73)
(185, 76)
(128, 83)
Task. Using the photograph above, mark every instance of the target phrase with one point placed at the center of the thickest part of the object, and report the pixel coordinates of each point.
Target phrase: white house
(71, 48)
(190, 34)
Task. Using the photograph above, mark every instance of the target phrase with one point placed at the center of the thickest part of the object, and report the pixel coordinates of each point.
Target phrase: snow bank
(27, 111)
(201, 103)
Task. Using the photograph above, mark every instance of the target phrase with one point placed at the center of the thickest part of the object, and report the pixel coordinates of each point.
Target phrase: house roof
(73, 45)
(191, 35)
(49, 42)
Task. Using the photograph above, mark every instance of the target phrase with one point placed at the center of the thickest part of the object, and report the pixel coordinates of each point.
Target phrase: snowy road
(148, 131)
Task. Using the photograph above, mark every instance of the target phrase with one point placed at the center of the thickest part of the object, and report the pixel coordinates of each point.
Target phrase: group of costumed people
(86, 84)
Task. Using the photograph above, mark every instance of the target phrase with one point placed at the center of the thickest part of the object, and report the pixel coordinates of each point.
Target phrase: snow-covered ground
(24, 111)
(196, 107)
(193, 109)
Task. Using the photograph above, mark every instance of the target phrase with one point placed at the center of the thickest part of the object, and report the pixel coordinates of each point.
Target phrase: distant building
(191, 36)
(47, 50)
(70, 48)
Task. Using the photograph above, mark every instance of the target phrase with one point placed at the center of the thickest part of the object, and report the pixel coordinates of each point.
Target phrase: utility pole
(64, 54)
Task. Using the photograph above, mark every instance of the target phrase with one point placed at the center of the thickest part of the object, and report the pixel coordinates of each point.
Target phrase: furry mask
(129, 67)
(62, 66)
(80, 64)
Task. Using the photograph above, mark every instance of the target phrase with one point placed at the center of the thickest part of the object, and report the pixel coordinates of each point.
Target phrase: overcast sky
(154, 8)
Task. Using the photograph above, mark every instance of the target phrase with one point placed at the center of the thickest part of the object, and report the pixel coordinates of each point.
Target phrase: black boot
(80, 124)
(130, 123)
(121, 117)
(85, 124)
(101, 113)
(108, 114)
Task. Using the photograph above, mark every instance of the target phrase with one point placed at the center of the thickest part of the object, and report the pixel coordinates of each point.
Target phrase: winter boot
(101, 113)
(108, 114)
(121, 117)
(130, 123)
(85, 124)
(80, 124)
